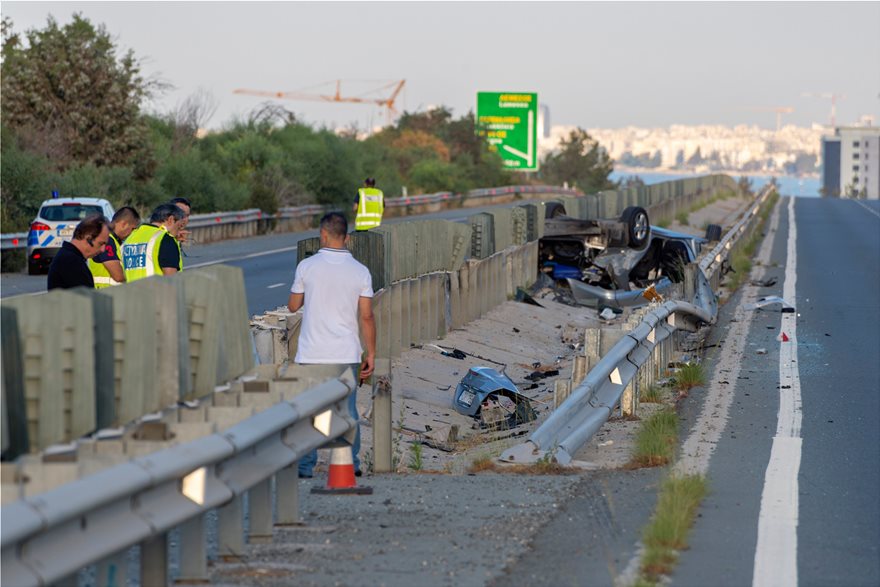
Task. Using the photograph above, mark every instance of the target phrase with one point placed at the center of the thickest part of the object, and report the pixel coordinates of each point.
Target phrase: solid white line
(251, 256)
(273, 286)
(868, 208)
(776, 552)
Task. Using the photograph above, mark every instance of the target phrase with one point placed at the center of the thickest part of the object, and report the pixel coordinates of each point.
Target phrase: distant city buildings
(706, 148)
(851, 163)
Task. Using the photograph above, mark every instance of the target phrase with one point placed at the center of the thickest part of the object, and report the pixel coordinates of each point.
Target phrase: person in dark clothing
(69, 267)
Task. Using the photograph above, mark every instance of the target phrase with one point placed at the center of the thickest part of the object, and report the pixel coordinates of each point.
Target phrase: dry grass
(485, 464)
(689, 376)
(652, 395)
(670, 525)
(656, 441)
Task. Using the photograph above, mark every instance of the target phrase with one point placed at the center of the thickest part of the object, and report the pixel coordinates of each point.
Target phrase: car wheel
(33, 267)
(638, 229)
(713, 233)
(553, 210)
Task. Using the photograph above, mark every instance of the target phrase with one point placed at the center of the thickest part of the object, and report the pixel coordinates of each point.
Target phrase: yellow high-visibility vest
(140, 252)
(99, 272)
(371, 205)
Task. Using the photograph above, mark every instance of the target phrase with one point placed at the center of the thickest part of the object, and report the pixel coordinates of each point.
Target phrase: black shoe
(358, 473)
(305, 476)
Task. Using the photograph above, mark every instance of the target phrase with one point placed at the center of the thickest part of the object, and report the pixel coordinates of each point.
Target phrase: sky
(593, 64)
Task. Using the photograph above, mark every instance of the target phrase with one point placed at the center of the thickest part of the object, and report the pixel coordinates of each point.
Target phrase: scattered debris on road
(493, 399)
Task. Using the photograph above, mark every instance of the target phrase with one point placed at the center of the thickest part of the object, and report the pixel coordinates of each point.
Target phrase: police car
(54, 225)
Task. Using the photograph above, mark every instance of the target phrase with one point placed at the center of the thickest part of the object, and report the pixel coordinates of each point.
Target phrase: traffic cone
(782, 337)
(340, 478)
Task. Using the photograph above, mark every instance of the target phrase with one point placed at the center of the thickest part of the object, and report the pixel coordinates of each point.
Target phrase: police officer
(369, 206)
(152, 249)
(186, 206)
(106, 266)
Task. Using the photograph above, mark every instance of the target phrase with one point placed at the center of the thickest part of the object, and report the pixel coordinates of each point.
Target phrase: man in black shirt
(69, 268)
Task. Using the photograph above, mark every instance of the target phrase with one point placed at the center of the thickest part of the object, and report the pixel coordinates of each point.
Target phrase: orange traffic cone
(340, 478)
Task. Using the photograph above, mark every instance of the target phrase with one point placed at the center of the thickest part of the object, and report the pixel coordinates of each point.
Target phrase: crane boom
(336, 97)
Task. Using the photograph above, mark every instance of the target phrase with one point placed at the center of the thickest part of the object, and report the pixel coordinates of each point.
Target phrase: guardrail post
(382, 419)
(154, 560)
(230, 530)
(287, 495)
(425, 308)
(260, 505)
(396, 319)
(405, 314)
(193, 565)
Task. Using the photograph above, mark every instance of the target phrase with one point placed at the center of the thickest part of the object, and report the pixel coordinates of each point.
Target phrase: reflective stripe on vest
(100, 275)
(140, 253)
(371, 205)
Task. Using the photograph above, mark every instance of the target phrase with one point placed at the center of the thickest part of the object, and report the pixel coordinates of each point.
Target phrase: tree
(68, 96)
(580, 162)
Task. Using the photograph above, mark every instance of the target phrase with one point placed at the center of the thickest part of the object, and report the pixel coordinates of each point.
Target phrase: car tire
(713, 233)
(553, 210)
(638, 227)
(33, 268)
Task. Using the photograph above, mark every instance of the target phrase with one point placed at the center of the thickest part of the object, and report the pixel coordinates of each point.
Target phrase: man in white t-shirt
(336, 294)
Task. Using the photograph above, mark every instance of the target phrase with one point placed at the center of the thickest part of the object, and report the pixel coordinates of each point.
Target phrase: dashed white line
(776, 552)
(274, 285)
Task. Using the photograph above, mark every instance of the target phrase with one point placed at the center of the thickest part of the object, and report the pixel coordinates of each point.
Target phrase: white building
(851, 162)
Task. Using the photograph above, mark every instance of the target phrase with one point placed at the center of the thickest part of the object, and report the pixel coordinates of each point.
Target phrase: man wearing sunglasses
(69, 267)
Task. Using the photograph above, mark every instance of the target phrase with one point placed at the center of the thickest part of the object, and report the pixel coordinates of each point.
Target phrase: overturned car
(608, 262)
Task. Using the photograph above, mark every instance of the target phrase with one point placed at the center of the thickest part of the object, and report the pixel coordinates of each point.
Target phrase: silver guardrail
(713, 260)
(16, 240)
(19, 240)
(127, 504)
(591, 403)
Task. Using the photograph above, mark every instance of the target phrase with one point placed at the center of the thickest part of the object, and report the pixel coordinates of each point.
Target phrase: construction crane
(780, 110)
(827, 96)
(387, 103)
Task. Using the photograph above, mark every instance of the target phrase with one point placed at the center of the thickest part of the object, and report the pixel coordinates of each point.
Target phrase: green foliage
(581, 162)
(415, 456)
(24, 182)
(70, 97)
(682, 218)
(688, 376)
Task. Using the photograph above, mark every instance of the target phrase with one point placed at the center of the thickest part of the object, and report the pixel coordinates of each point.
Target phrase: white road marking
(868, 208)
(251, 256)
(273, 286)
(776, 552)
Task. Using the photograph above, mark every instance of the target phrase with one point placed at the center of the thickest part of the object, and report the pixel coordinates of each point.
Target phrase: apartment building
(851, 163)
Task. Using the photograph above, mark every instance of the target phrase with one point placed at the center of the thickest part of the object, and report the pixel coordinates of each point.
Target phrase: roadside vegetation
(73, 120)
(670, 525)
(656, 440)
(688, 376)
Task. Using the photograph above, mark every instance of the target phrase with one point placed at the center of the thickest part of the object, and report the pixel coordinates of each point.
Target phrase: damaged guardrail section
(592, 402)
(139, 501)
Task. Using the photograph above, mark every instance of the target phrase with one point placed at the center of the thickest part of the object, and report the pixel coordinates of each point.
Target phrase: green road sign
(509, 121)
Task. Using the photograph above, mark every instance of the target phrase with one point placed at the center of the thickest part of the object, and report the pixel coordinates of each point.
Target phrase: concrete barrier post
(578, 370)
(457, 296)
(230, 530)
(382, 418)
(473, 292)
(287, 495)
(396, 319)
(154, 560)
(193, 566)
(426, 299)
(405, 314)
(561, 391)
(260, 507)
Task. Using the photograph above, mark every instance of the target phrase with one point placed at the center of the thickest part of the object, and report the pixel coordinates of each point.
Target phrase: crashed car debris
(611, 262)
(492, 398)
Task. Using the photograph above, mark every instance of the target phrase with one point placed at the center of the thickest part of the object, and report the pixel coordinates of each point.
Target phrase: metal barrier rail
(127, 504)
(590, 405)
(19, 240)
(715, 258)
(201, 220)
(16, 240)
